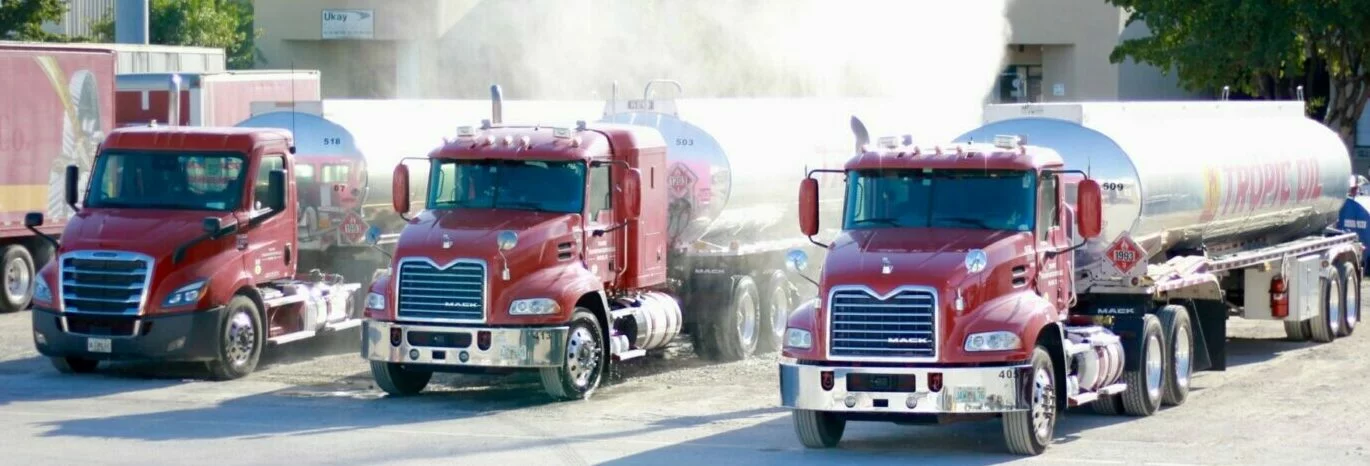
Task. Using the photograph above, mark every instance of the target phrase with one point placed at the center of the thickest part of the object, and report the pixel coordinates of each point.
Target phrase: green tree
(23, 19)
(1263, 49)
(226, 24)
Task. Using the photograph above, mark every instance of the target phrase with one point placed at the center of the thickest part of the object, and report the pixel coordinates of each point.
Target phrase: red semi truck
(207, 99)
(562, 250)
(57, 107)
(184, 249)
(1095, 264)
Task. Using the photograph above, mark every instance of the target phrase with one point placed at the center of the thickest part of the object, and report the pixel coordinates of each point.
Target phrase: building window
(1020, 84)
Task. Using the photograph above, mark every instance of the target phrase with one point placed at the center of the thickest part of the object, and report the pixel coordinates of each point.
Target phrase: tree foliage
(1263, 49)
(225, 24)
(23, 19)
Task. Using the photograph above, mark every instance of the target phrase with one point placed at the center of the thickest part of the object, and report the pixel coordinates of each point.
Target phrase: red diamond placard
(1124, 253)
(681, 180)
(353, 228)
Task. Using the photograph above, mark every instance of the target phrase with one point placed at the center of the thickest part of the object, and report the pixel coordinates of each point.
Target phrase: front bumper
(518, 347)
(187, 336)
(970, 390)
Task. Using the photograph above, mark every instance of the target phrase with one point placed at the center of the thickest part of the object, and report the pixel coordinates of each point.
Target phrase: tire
(585, 347)
(18, 279)
(1296, 330)
(1350, 315)
(240, 342)
(1030, 432)
(395, 380)
(1325, 326)
(818, 429)
(775, 313)
(1108, 405)
(1145, 384)
(74, 365)
(737, 327)
(1179, 354)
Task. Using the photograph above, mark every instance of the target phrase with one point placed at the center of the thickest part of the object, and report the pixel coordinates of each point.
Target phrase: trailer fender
(1024, 314)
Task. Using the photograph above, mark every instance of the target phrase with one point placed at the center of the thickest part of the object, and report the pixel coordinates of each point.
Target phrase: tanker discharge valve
(992, 341)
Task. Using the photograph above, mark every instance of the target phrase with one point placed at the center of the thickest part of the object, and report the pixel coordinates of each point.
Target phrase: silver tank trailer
(1180, 175)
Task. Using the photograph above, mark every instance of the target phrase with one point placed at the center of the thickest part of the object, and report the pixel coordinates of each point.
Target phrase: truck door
(600, 252)
(269, 234)
(1051, 235)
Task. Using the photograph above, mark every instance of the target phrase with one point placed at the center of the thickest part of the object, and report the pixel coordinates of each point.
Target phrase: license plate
(970, 394)
(98, 345)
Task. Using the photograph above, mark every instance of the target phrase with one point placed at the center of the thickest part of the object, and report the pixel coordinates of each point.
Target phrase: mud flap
(1210, 323)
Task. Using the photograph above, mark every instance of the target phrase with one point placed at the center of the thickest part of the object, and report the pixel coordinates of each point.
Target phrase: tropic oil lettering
(1251, 187)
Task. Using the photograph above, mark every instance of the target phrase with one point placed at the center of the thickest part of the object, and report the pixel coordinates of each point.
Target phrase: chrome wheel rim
(780, 312)
(746, 320)
(17, 279)
(582, 356)
(1334, 307)
(1353, 304)
(1043, 404)
(1154, 361)
(241, 338)
(1183, 360)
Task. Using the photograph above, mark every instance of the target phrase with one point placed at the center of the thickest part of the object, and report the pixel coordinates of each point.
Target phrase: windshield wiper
(968, 220)
(884, 220)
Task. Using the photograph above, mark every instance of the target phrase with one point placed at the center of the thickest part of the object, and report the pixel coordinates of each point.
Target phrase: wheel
(1297, 330)
(818, 429)
(1029, 432)
(19, 279)
(1179, 337)
(1109, 405)
(737, 329)
(1145, 383)
(1350, 316)
(241, 337)
(580, 373)
(398, 381)
(1328, 323)
(74, 365)
(776, 315)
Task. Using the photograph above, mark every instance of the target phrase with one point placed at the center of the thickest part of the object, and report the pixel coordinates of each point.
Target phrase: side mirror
(1089, 212)
(808, 206)
(632, 193)
(275, 190)
(212, 226)
(33, 219)
(73, 177)
(399, 187)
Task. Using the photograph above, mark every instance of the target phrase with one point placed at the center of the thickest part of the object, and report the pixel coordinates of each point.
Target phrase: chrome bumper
(509, 347)
(963, 391)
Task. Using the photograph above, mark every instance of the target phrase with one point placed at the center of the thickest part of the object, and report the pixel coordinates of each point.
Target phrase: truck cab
(951, 275)
(183, 248)
(527, 232)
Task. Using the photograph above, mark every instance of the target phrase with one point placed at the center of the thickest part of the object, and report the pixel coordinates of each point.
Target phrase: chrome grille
(863, 326)
(455, 293)
(104, 282)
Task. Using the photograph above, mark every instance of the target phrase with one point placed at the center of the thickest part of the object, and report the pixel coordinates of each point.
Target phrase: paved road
(313, 403)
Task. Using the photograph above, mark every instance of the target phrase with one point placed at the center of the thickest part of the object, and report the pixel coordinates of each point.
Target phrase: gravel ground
(313, 402)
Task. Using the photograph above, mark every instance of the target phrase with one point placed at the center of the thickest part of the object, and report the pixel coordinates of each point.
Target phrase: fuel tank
(1223, 175)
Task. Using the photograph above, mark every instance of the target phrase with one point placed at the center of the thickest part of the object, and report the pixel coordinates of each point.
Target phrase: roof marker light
(507, 140)
(525, 141)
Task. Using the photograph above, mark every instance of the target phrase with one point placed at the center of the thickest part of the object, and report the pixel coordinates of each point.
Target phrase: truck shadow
(33, 379)
(1244, 351)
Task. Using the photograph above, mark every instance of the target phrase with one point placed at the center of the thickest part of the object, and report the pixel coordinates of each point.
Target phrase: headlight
(41, 292)
(533, 307)
(798, 339)
(186, 295)
(375, 301)
(992, 341)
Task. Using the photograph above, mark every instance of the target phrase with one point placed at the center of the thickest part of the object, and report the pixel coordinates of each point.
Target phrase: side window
(1047, 205)
(259, 188)
(445, 183)
(600, 192)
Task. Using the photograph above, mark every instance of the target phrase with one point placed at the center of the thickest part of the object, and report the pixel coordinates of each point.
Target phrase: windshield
(508, 184)
(167, 180)
(977, 199)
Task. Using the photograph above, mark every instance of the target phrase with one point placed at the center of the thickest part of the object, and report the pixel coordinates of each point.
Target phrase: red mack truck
(183, 249)
(562, 250)
(207, 99)
(1094, 264)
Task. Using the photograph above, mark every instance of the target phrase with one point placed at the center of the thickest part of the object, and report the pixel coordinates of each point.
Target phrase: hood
(450, 234)
(155, 233)
(916, 256)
